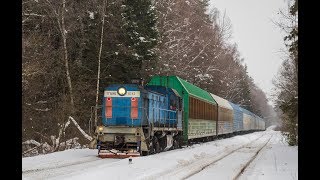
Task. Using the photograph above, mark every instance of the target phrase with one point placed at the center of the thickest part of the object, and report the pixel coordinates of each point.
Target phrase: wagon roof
(247, 111)
(191, 89)
(221, 102)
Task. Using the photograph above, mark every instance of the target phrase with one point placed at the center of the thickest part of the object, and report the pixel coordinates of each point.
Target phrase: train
(164, 114)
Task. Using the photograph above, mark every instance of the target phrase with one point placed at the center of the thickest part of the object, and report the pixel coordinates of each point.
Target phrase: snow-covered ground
(276, 161)
(222, 159)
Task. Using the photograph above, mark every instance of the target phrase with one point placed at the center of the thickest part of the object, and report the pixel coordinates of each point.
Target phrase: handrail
(91, 116)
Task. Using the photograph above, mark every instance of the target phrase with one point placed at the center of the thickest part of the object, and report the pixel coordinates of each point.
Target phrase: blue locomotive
(138, 120)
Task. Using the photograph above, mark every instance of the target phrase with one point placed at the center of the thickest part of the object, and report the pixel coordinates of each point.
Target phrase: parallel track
(66, 169)
(237, 167)
(248, 163)
(199, 165)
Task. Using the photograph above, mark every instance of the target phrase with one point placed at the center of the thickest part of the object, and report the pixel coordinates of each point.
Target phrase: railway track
(191, 168)
(65, 169)
(226, 165)
(249, 162)
(53, 166)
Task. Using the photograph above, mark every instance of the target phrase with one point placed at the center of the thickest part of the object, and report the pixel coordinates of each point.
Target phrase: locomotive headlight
(100, 128)
(122, 91)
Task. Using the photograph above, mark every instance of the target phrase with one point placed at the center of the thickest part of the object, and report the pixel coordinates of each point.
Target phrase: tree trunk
(82, 43)
(99, 60)
(64, 38)
(79, 128)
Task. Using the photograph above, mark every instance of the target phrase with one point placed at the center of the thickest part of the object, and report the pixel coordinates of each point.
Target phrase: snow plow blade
(117, 155)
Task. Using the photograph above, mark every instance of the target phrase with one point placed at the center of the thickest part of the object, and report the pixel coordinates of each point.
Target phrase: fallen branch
(79, 128)
(56, 141)
(29, 150)
(31, 142)
(47, 148)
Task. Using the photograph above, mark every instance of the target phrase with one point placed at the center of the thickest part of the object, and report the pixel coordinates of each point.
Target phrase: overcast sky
(259, 40)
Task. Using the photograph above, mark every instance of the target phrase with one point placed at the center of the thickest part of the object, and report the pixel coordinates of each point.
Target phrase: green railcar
(199, 108)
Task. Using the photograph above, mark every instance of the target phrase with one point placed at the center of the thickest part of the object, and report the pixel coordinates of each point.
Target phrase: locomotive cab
(123, 106)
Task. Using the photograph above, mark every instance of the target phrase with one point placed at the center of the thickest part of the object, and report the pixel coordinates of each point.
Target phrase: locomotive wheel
(156, 145)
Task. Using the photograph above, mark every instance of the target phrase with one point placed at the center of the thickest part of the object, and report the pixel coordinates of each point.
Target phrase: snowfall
(258, 155)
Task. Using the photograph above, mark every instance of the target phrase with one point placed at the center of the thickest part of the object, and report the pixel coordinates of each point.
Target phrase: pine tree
(139, 24)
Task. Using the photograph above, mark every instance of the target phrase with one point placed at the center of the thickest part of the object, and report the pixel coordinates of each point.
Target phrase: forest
(72, 49)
